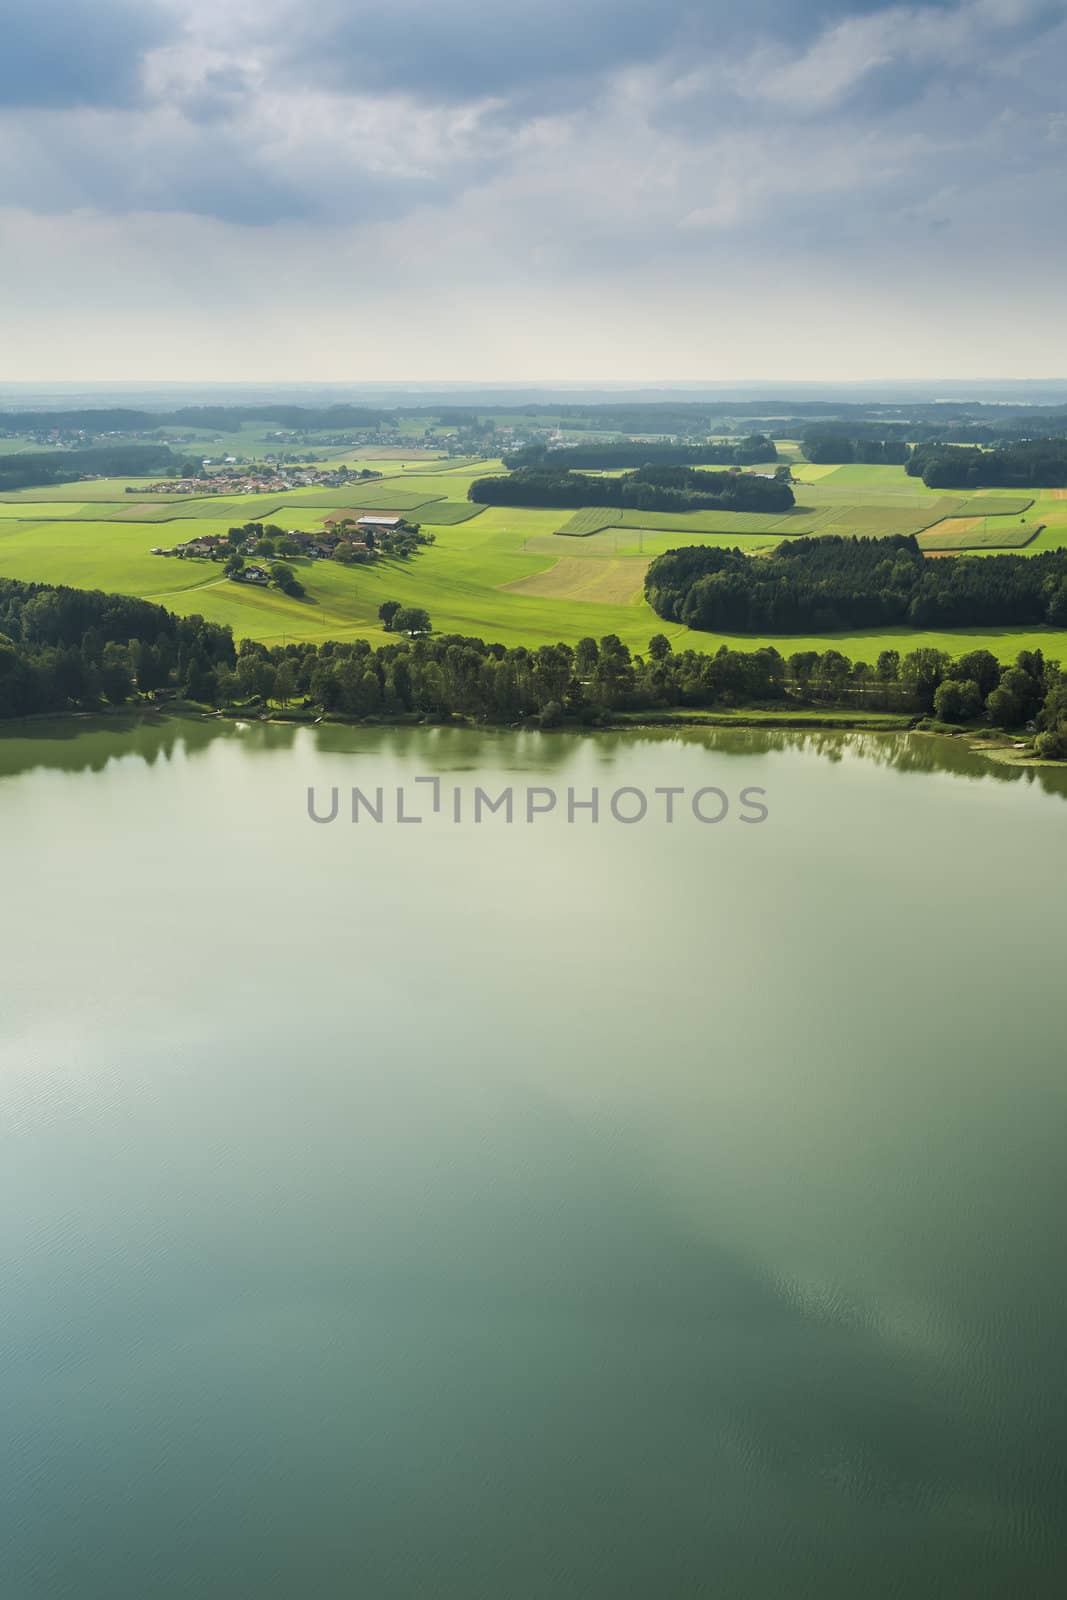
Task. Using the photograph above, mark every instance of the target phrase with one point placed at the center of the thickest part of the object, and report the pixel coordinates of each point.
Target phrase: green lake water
(529, 1210)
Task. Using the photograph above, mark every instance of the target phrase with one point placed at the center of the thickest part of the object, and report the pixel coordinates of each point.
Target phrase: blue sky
(607, 189)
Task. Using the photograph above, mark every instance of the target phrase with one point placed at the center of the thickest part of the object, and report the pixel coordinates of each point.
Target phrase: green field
(501, 573)
(816, 512)
(93, 489)
(446, 513)
(996, 504)
(977, 533)
(590, 519)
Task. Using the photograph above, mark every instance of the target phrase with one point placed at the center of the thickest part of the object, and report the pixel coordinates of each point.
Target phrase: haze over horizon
(408, 195)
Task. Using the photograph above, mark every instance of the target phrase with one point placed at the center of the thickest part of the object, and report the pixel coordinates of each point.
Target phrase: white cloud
(906, 150)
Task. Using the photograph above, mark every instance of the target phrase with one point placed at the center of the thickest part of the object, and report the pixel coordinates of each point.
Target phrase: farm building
(386, 524)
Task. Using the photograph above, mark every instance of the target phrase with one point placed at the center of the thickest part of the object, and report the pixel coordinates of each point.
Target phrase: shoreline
(997, 745)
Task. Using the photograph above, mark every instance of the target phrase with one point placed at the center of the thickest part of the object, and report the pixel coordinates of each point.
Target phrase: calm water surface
(531, 1211)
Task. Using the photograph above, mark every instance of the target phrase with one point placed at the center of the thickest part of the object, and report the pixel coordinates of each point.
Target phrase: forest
(829, 445)
(643, 453)
(124, 419)
(31, 468)
(826, 584)
(70, 650)
(1032, 463)
(67, 649)
(655, 488)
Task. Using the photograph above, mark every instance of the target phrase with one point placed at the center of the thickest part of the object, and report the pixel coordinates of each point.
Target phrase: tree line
(643, 453)
(826, 445)
(815, 585)
(654, 488)
(67, 649)
(126, 419)
(782, 418)
(1031, 463)
(28, 469)
(75, 649)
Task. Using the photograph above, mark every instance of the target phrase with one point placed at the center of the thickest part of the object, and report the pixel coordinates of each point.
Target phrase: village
(233, 478)
(349, 539)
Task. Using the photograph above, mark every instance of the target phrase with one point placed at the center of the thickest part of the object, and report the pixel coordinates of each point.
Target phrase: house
(385, 524)
(255, 575)
(205, 544)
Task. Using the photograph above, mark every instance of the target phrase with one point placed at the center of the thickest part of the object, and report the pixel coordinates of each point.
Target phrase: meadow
(500, 573)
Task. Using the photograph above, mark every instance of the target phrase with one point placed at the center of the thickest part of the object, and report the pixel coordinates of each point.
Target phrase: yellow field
(604, 581)
(950, 529)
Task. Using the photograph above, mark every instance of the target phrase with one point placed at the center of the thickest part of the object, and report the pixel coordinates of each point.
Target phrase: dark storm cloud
(76, 52)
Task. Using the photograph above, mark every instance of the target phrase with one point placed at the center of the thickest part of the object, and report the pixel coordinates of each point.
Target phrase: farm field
(95, 555)
(93, 489)
(592, 579)
(60, 510)
(447, 513)
(991, 504)
(617, 540)
(814, 513)
(498, 572)
(976, 533)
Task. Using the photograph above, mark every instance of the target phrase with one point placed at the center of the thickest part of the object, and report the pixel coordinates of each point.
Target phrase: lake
(529, 1209)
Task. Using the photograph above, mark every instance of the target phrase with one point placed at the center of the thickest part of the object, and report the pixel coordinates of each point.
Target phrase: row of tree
(643, 453)
(65, 649)
(29, 469)
(654, 488)
(228, 419)
(822, 585)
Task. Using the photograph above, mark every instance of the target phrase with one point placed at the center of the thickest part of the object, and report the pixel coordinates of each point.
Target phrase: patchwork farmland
(516, 575)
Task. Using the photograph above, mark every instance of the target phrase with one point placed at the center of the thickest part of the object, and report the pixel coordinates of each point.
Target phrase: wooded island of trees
(1032, 463)
(647, 489)
(834, 445)
(68, 649)
(819, 585)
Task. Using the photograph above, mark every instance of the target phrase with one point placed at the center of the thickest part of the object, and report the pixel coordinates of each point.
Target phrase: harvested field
(598, 579)
(952, 528)
(809, 471)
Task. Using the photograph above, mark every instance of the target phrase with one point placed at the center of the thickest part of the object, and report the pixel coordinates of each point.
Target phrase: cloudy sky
(489, 189)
